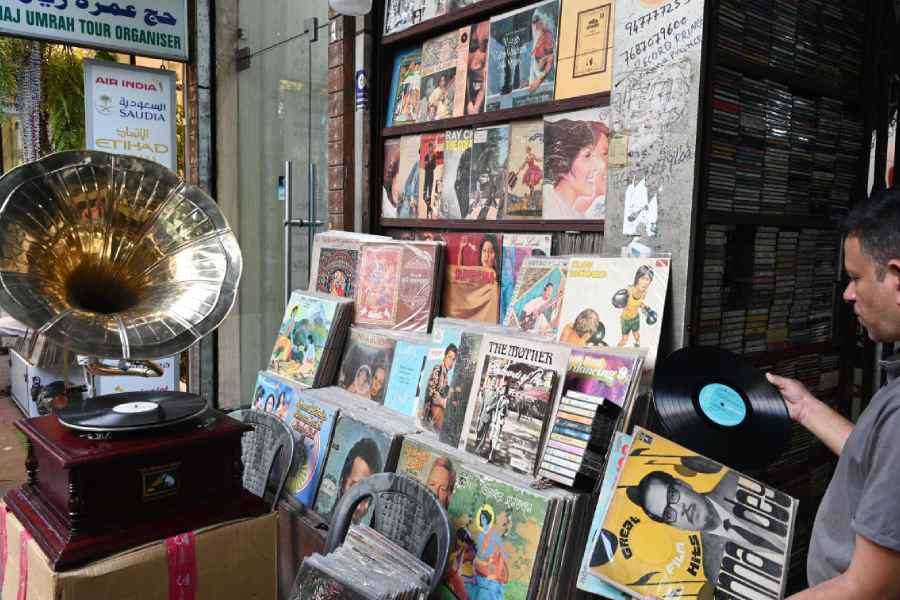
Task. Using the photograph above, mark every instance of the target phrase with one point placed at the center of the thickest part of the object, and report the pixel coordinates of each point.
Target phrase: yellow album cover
(585, 48)
(680, 525)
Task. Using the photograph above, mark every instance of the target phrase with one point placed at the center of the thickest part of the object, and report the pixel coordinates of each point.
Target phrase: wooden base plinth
(66, 549)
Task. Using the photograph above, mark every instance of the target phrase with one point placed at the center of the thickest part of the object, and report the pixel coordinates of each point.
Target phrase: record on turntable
(718, 405)
(132, 411)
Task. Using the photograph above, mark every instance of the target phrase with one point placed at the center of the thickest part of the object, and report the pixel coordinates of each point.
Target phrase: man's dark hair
(549, 285)
(876, 224)
(366, 449)
(451, 348)
(643, 271)
(638, 493)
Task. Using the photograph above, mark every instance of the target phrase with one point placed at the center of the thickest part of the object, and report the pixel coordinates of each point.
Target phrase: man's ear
(893, 271)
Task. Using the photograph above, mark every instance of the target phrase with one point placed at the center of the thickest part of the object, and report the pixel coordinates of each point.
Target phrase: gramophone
(116, 257)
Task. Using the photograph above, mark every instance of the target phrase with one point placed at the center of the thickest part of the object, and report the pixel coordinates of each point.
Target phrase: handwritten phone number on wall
(661, 42)
(634, 27)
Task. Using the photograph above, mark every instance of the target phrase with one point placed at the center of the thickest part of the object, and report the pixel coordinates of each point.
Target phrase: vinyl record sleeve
(592, 286)
(496, 531)
(538, 299)
(516, 248)
(679, 523)
(523, 56)
(585, 48)
(305, 336)
(516, 390)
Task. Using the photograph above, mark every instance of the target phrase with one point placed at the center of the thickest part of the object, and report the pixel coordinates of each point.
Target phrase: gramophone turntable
(115, 257)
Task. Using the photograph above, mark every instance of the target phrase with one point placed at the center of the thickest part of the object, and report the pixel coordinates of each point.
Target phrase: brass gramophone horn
(114, 256)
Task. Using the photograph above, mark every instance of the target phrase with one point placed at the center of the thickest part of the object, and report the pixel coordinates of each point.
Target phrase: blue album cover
(406, 82)
(435, 385)
(311, 423)
(403, 386)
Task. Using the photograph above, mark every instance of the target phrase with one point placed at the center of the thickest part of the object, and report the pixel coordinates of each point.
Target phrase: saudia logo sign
(145, 86)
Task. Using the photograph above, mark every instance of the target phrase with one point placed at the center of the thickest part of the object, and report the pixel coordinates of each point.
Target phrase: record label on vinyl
(722, 405)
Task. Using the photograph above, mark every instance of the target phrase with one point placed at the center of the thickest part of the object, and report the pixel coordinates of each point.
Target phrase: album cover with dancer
(523, 56)
(680, 523)
(525, 174)
(517, 388)
(378, 291)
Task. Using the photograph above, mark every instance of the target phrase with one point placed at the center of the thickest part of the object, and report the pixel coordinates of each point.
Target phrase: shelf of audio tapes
(784, 141)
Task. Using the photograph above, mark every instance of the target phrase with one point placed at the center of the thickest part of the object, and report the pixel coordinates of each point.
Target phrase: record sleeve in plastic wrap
(680, 523)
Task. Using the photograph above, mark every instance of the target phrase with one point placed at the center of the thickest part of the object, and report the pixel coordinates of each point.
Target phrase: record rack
(785, 157)
(388, 45)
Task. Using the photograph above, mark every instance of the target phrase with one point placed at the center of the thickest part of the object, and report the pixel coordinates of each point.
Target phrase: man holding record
(855, 547)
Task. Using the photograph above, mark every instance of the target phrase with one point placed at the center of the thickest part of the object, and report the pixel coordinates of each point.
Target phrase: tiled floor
(12, 447)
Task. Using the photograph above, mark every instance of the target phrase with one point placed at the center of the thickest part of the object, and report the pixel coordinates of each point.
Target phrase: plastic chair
(267, 453)
(404, 511)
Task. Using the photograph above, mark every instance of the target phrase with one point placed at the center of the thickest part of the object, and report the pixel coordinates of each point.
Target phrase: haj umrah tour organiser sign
(155, 28)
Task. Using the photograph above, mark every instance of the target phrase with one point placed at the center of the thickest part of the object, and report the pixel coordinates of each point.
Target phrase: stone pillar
(654, 116)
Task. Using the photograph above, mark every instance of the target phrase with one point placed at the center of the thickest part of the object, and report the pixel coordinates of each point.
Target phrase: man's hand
(800, 402)
(823, 421)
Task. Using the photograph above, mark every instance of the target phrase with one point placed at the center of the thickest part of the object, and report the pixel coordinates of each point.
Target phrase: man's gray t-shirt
(862, 497)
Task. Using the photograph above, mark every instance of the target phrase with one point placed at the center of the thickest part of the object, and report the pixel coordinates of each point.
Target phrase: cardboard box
(232, 560)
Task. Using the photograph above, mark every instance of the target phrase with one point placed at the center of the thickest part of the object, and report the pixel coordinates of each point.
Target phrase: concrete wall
(654, 110)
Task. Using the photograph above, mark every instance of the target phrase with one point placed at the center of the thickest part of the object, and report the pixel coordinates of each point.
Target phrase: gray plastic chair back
(404, 511)
(267, 453)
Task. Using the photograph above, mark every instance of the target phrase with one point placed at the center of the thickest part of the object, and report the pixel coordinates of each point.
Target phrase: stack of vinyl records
(310, 339)
(366, 440)
(600, 386)
(505, 533)
(396, 284)
(851, 33)
(367, 566)
(633, 537)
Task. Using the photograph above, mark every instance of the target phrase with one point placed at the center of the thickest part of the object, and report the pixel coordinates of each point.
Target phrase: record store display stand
(783, 155)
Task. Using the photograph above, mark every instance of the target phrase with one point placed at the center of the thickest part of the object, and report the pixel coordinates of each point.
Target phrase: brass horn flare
(114, 256)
